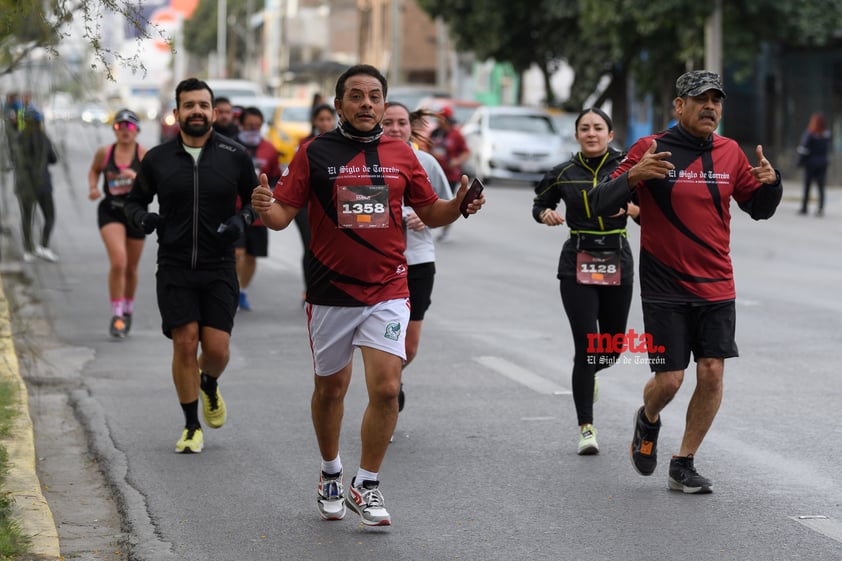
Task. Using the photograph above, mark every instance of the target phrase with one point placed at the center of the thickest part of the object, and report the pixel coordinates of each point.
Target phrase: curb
(31, 509)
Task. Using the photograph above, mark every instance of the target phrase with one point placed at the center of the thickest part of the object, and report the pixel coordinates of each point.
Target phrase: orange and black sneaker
(644, 446)
(118, 327)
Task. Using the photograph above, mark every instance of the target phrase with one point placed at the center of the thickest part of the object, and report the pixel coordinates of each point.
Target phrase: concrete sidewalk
(22, 482)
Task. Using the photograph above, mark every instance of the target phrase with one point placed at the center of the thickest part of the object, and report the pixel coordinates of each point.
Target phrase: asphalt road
(483, 466)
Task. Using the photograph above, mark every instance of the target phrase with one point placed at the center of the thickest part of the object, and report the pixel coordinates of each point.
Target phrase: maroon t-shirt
(685, 218)
(354, 192)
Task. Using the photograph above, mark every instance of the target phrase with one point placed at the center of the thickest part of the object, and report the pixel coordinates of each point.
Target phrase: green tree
(657, 41)
(26, 26)
(615, 40)
(539, 34)
(200, 32)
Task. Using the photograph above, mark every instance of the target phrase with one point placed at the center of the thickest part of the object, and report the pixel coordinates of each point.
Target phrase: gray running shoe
(368, 502)
(684, 477)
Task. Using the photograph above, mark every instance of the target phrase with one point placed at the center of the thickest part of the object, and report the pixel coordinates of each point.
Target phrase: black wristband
(248, 215)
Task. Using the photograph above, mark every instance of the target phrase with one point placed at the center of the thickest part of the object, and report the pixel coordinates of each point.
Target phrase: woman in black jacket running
(596, 267)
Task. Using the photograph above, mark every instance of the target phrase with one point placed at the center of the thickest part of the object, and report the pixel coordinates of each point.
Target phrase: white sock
(363, 475)
(333, 466)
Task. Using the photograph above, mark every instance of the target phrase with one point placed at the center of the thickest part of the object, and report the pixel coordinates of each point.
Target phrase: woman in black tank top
(118, 164)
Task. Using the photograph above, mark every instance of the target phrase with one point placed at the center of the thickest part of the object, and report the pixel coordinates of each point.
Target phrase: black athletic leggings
(27, 212)
(813, 174)
(592, 309)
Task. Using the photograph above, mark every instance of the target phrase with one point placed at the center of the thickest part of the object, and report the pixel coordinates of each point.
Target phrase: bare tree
(27, 26)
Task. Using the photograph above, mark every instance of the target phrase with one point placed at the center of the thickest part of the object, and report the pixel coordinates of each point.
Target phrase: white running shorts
(336, 330)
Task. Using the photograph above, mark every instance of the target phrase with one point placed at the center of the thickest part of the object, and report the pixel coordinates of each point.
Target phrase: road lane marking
(521, 375)
(821, 524)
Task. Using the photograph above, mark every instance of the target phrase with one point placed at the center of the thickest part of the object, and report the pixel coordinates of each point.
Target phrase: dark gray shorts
(255, 240)
(209, 297)
(107, 212)
(419, 279)
(677, 329)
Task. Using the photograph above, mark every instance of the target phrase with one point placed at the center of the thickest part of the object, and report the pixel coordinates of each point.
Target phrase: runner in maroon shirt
(685, 179)
(353, 182)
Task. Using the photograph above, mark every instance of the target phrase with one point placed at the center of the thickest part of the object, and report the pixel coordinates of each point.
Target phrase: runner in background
(420, 249)
(323, 119)
(255, 240)
(226, 120)
(594, 304)
(118, 164)
(451, 150)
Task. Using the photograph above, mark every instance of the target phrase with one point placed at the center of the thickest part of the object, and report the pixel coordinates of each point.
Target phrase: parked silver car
(509, 142)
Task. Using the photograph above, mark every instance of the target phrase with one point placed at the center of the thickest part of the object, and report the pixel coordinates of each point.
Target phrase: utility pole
(713, 39)
(178, 62)
(251, 70)
(221, 37)
(396, 43)
(713, 43)
(442, 53)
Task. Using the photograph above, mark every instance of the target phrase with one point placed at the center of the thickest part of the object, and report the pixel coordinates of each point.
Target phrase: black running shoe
(401, 399)
(644, 446)
(117, 328)
(684, 477)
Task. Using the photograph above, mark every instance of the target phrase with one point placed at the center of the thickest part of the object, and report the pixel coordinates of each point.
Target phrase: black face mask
(348, 131)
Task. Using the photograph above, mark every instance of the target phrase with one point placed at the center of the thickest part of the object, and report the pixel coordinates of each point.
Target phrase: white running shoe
(330, 496)
(368, 502)
(46, 254)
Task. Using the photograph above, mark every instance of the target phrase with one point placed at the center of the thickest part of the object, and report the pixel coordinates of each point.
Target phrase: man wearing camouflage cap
(685, 178)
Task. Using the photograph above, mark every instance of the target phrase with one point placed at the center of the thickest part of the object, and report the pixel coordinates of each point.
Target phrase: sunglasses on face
(125, 125)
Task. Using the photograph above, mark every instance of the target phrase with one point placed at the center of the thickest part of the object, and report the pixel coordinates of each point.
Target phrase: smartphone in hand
(474, 191)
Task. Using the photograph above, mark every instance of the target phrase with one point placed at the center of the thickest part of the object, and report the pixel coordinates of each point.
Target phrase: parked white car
(508, 142)
(234, 88)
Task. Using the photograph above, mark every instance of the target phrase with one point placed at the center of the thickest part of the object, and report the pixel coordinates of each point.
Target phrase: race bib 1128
(601, 267)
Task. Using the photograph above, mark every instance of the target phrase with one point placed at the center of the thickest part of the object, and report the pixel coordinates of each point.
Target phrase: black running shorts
(677, 329)
(255, 240)
(209, 297)
(420, 280)
(107, 213)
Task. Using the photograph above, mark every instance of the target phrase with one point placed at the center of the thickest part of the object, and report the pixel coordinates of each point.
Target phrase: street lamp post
(713, 39)
(221, 37)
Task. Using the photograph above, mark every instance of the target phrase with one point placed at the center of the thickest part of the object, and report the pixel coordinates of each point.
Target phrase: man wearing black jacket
(197, 178)
(685, 178)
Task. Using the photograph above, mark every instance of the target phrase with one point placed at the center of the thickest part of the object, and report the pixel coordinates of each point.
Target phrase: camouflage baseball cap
(697, 82)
